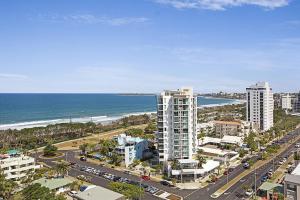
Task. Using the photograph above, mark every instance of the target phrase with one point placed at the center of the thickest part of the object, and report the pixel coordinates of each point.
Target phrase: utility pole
(140, 196)
(227, 166)
(255, 183)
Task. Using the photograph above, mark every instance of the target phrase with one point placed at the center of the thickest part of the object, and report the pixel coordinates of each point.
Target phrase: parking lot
(90, 174)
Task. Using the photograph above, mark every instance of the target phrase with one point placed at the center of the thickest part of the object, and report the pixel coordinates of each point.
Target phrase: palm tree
(201, 135)
(75, 185)
(200, 158)
(62, 168)
(116, 159)
(83, 148)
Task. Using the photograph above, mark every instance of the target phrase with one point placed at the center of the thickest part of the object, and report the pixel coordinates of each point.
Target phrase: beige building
(232, 128)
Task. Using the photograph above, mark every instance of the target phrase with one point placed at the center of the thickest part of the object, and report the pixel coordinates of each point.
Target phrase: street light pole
(255, 182)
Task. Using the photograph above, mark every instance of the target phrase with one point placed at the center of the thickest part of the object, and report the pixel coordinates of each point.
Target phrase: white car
(249, 192)
(297, 145)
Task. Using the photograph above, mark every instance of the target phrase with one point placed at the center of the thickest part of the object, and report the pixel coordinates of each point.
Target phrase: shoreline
(44, 123)
(98, 119)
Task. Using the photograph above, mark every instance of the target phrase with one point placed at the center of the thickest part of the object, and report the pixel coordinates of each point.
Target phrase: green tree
(200, 158)
(135, 132)
(201, 135)
(37, 192)
(83, 148)
(128, 190)
(50, 150)
(62, 168)
(250, 141)
(106, 146)
(6, 186)
(75, 185)
(175, 165)
(115, 159)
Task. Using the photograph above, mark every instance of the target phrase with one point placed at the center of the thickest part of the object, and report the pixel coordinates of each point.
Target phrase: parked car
(290, 170)
(245, 160)
(249, 192)
(82, 177)
(166, 183)
(146, 178)
(264, 179)
(72, 193)
(246, 165)
(83, 158)
(127, 172)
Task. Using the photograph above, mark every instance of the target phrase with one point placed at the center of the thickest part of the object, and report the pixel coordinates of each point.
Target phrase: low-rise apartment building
(130, 148)
(232, 128)
(286, 102)
(16, 166)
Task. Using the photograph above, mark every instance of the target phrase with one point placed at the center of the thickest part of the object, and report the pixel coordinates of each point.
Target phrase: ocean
(30, 110)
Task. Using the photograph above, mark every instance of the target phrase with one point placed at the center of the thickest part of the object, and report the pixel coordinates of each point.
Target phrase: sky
(107, 46)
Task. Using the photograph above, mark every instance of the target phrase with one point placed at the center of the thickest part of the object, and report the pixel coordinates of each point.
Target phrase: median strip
(257, 165)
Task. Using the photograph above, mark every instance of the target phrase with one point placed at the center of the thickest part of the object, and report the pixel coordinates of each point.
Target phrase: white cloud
(92, 19)
(12, 76)
(223, 4)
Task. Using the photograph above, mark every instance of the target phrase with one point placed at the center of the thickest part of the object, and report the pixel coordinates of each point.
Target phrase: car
(72, 193)
(146, 178)
(249, 192)
(281, 162)
(269, 174)
(290, 170)
(228, 171)
(264, 179)
(246, 165)
(166, 183)
(144, 185)
(82, 168)
(297, 146)
(82, 177)
(83, 159)
(127, 172)
(245, 160)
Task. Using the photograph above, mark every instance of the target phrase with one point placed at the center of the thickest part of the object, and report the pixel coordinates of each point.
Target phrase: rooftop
(292, 178)
(207, 167)
(228, 122)
(98, 192)
(267, 186)
(296, 170)
(53, 183)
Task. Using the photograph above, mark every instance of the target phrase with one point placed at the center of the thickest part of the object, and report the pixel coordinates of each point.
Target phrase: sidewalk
(280, 172)
(256, 165)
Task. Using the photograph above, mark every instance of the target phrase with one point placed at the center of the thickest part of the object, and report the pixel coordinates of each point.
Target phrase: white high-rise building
(260, 106)
(286, 102)
(177, 124)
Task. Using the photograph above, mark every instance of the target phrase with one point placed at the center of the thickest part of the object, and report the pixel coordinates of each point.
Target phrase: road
(237, 192)
(234, 193)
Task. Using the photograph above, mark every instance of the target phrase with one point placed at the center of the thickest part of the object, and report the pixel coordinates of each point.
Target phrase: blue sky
(148, 45)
